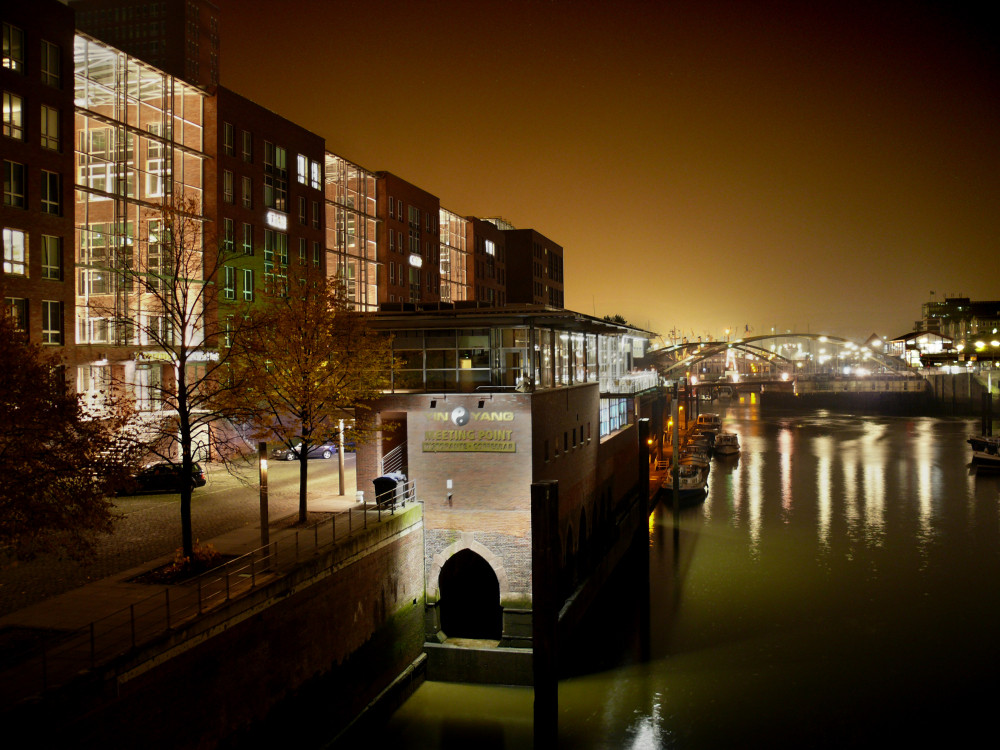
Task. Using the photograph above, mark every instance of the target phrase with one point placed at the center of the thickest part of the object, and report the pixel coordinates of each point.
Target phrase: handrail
(118, 633)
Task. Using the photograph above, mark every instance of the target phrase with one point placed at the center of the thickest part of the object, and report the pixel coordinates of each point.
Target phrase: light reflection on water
(837, 588)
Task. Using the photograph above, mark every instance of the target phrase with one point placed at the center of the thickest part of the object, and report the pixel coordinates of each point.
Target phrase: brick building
(489, 265)
(180, 37)
(265, 196)
(534, 268)
(488, 401)
(409, 225)
(36, 216)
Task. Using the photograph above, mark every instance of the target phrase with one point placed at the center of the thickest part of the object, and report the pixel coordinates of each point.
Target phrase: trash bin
(390, 489)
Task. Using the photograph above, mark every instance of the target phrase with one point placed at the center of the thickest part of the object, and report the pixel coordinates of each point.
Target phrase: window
(13, 116)
(275, 177)
(303, 251)
(228, 139)
(247, 146)
(315, 214)
(391, 207)
(52, 258)
(392, 240)
(17, 308)
(227, 187)
(13, 184)
(247, 239)
(13, 48)
(303, 218)
(248, 284)
(51, 193)
(51, 64)
(247, 193)
(229, 288)
(228, 235)
(50, 128)
(302, 167)
(317, 254)
(52, 322)
(316, 174)
(15, 252)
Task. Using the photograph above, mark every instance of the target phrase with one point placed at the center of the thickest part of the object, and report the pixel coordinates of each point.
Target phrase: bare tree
(176, 313)
(310, 362)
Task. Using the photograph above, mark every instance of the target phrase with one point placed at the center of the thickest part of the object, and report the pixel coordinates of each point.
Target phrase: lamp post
(262, 460)
(340, 455)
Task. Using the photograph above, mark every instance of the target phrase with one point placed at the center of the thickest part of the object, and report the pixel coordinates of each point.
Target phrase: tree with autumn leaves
(309, 361)
(61, 459)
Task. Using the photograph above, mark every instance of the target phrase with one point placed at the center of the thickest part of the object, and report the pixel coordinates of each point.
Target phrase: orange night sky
(806, 166)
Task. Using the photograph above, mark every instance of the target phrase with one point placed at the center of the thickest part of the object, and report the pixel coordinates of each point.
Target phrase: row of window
(413, 215)
(275, 196)
(15, 58)
(52, 318)
(16, 127)
(310, 171)
(15, 188)
(571, 439)
(15, 254)
(274, 243)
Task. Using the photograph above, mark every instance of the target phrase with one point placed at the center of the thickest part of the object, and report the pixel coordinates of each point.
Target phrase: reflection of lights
(784, 375)
(847, 370)
(980, 345)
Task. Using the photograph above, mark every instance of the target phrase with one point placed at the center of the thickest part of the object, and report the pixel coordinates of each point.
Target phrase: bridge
(770, 358)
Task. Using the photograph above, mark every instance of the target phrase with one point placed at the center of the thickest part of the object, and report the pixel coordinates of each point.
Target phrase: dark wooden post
(545, 609)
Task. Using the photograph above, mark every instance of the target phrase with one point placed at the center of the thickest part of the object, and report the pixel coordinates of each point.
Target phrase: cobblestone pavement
(151, 528)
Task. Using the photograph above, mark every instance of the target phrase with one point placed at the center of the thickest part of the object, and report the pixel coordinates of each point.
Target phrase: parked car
(163, 477)
(321, 450)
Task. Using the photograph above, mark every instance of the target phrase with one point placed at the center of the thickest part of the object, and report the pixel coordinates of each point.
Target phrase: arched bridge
(790, 354)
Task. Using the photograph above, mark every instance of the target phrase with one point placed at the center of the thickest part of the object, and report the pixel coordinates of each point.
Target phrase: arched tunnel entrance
(470, 598)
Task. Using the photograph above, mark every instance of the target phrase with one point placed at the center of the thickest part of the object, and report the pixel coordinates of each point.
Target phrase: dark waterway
(838, 588)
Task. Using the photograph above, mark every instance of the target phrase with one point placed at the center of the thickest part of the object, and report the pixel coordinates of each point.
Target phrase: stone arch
(470, 598)
(465, 541)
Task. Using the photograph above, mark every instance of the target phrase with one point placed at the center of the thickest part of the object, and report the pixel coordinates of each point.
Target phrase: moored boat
(985, 451)
(692, 484)
(727, 444)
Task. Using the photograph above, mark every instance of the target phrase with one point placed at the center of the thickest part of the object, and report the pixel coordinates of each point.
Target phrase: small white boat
(727, 444)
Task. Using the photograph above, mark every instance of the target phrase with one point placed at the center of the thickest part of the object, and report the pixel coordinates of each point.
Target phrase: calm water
(838, 588)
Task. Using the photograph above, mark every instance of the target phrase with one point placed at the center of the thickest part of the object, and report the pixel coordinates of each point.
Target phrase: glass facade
(454, 260)
(139, 147)
(351, 239)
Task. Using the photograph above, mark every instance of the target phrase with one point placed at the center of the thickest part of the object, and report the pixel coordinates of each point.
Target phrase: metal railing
(181, 604)
(388, 501)
(395, 460)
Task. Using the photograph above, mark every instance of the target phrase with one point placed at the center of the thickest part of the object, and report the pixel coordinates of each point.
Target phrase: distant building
(454, 253)
(489, 263)
(265, 194)
(534, 268)
(409, 230)
(36, 217)
(180, 37)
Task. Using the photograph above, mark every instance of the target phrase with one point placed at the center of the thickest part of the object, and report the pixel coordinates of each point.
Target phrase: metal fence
(63, 658)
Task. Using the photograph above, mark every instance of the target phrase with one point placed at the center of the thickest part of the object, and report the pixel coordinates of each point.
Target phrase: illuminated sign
(416, 261)
(276, 219)
(481, 437)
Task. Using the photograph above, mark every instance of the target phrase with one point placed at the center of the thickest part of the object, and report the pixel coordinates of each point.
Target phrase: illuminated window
(50, 128)
(15, 252)
(13, 116)
(51, 64)
(316, 174)
(13, 184)
(52, 322)
(13, 48)
(302, 169)
(52, 267)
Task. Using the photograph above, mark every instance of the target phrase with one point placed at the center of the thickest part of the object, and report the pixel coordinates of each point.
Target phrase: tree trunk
(303, 480)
